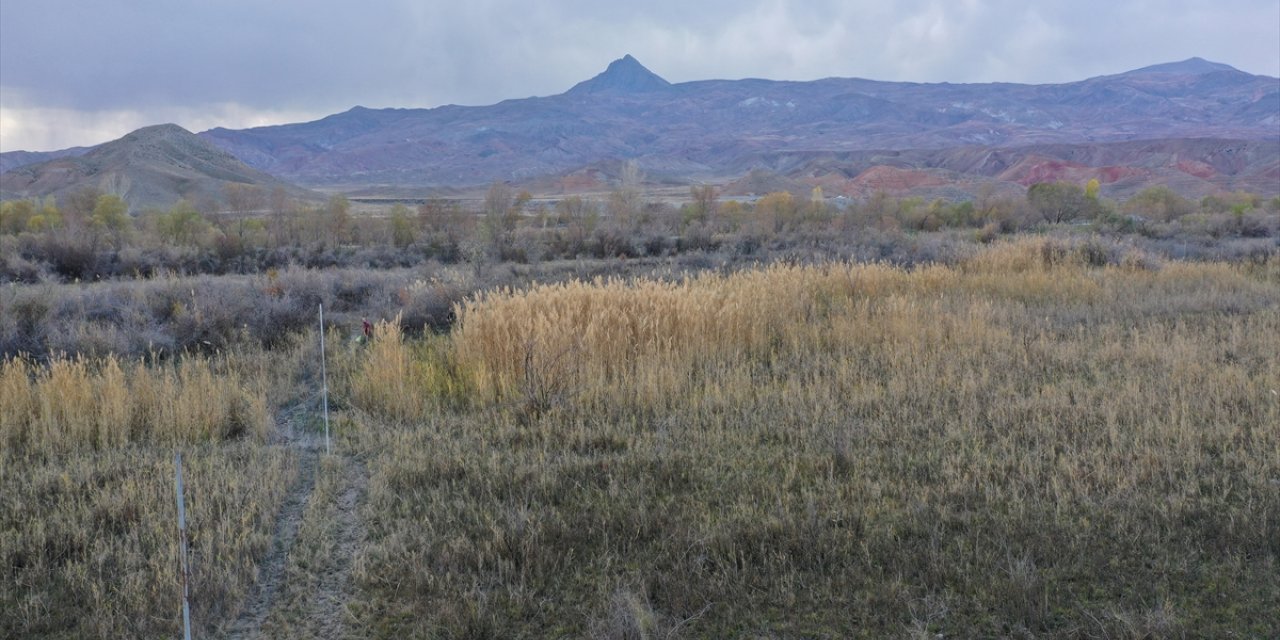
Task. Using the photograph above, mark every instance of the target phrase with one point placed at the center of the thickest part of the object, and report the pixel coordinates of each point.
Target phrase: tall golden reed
(402, 380)
(75, 403)
(650, 343)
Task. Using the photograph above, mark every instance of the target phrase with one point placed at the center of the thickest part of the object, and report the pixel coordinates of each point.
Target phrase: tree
(243, 199)
(78, 205)
(111, 214)
(1159, 203)
(501, 217)
(15, 214)
(962, 214)
(337, 218)
(182, 225)
(914, 214)
(1092, 188)
(402, 234)
(1058, 201)
(446, 224)
(879, 210)
(282, 225)
(579, 217)
(734, 214)
(1236, 203)
(704, 206)
(49, 211)
(521, 202)
(776, 211)
(631, 176)
(624, 203)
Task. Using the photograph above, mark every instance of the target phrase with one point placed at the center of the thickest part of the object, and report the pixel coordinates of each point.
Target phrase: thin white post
(182, 547)
(324, 377)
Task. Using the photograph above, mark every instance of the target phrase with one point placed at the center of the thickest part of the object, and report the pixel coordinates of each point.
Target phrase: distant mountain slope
(14, 159)
(1193, 167)
(151, 167)
(1189, 66)
(718, 128)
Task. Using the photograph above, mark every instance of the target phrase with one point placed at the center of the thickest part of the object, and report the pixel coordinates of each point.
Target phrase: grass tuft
(75, 403)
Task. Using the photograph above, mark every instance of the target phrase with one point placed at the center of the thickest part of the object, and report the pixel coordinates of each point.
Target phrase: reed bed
(643, 340)
(402, 380)
(1031, 442)
(74, 403)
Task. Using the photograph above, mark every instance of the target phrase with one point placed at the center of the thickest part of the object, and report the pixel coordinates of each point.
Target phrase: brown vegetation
(807, 422)
(87, 519)
(88, 236)
(1022, 444)
(70, 404)
(88, 544)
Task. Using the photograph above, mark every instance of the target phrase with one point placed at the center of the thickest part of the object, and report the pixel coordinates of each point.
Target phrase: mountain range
(715, 128)
(1195, 125)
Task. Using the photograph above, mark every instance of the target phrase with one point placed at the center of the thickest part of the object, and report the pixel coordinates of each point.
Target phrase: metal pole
(182, 547)
(324, 376)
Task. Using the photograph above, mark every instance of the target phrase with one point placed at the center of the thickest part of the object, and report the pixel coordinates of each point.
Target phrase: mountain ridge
(154, 166)
(710, 129)
(1194, 65)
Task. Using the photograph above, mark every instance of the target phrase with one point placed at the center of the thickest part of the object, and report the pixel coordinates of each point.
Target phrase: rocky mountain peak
(624, 75)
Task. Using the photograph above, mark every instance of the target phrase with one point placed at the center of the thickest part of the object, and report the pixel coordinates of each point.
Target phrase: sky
(81, 72)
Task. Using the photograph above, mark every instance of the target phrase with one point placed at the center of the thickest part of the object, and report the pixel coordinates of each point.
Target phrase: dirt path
(326, 608)
(271, 575)
(304, 582)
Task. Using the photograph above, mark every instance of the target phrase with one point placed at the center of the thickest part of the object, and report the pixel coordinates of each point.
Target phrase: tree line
(91, 234)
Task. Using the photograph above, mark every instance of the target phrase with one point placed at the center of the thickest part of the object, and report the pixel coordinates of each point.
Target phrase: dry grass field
(1036, 440)
(1022, 444)
(87, 516)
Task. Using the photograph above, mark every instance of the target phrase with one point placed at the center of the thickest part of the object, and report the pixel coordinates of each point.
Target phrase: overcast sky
(83, 72)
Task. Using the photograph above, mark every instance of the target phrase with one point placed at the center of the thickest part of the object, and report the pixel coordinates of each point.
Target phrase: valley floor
(1031, 441)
